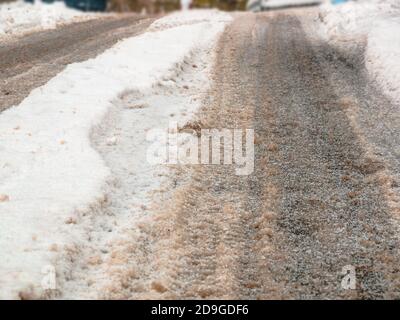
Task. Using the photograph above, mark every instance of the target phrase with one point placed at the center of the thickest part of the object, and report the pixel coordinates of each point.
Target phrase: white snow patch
(283, 3)
(20, 17)
(383, 56)
(188, 17)
(375, 24)
(51, 176)
(258, 5)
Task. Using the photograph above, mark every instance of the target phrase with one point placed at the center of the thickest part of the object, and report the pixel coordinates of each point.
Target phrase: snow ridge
(50, 173)
(374, 24)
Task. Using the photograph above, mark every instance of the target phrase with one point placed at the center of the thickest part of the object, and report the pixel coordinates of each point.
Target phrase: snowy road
(80, 196)
(75, 182)
(30, 61)
(322, 193)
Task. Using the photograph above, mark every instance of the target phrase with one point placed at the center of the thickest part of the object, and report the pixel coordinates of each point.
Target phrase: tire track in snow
(118, 259)
(53, 178)
(317, 200)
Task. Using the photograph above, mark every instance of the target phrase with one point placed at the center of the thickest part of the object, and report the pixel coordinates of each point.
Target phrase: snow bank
(50, 172)
(137, 186)
(22, 17)
(383, 56)
(352, 20)
(258, 5)
(375, 24)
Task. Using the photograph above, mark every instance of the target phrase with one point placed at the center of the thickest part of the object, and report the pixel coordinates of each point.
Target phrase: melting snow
(51, 176)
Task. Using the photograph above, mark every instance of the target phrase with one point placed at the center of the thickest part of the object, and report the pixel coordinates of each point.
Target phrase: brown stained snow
(4, 198)
(319, 198)
(212, 239)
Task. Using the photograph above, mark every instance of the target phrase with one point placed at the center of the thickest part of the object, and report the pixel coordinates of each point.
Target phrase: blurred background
(146, 6)
(161, 6)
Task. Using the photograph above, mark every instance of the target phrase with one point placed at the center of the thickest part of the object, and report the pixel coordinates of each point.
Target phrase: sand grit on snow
(21, 17)
(375, 25)
(52, 180)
